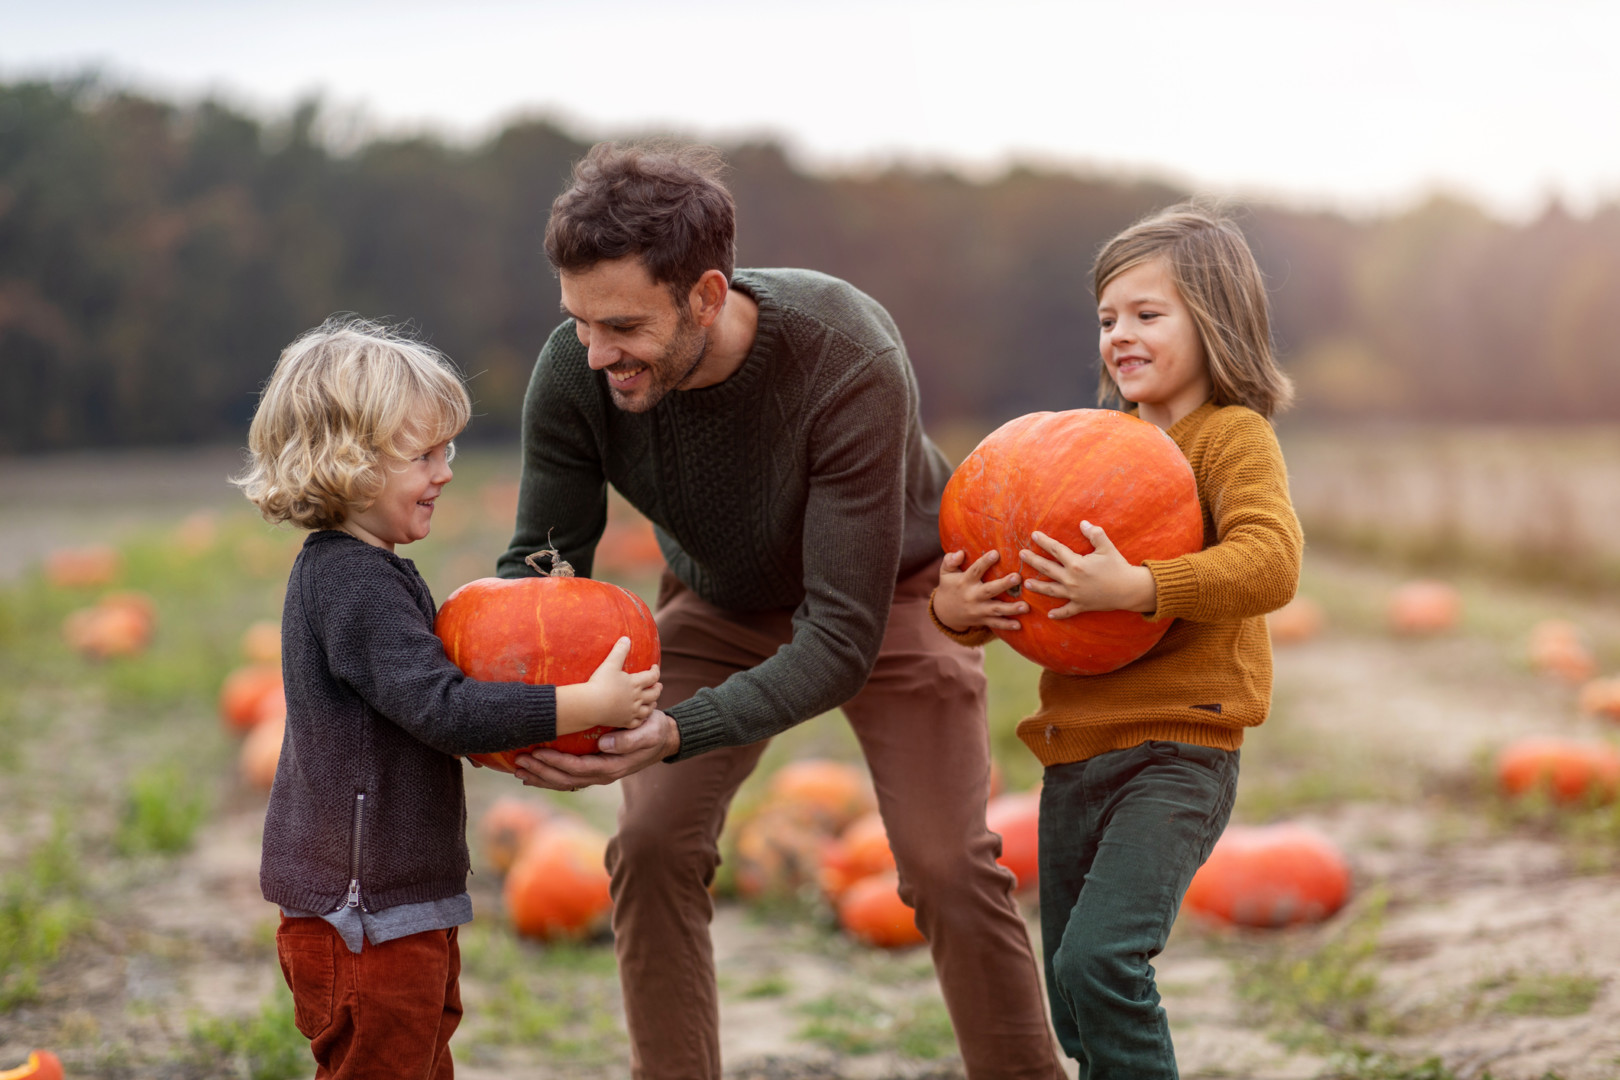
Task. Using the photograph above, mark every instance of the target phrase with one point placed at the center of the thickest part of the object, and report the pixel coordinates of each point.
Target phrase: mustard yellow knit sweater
(1209, 677)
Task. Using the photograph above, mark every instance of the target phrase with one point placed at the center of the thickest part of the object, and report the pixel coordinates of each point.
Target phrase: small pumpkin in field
(871, 911)
(777, 851)
(834, 790)
(84, 567)
(558, 885)
(1047, 472)
(120, 624)
(261, 642)
(41, 1065)
(861, 851)
(1558, 649)
(1424, 607)
(1269, 876)
(1016, 818)
(261, 753)
(1301, 619)
(555, 628)
(248, 695)
(1570, 770)
(505, 828)
(1601, 697)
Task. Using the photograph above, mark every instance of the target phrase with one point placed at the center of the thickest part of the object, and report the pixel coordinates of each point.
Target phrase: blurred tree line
(154, 259)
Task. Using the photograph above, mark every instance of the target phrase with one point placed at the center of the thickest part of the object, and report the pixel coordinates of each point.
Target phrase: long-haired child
(365, 845)
(1141, 764)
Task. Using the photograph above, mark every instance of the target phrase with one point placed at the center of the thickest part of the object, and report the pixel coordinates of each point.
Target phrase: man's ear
(707, 297)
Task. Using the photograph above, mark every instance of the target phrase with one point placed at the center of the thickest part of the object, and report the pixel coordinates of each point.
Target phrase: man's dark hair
(661, 201)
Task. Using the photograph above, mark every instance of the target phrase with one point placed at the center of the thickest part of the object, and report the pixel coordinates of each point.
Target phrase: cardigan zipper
(354, 851)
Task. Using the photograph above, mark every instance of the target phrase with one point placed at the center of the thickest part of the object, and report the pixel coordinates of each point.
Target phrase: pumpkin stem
(559, 566)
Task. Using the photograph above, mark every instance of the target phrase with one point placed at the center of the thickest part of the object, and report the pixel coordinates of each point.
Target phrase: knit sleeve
(562, 496)
(1253, 566)
(379, 643)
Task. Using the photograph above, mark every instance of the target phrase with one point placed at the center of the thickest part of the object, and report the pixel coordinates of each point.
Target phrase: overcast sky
(1363, 105)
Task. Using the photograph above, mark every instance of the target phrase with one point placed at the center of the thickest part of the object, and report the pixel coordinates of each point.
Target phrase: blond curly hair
(344, 400)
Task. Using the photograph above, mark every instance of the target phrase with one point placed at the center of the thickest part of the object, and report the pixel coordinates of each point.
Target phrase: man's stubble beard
(686, 349)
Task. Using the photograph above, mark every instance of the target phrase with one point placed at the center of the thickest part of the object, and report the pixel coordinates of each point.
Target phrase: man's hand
(1100, 581)
(620, 754)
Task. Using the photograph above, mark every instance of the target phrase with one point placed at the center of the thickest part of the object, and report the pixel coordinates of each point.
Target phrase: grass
(41, 909)
(1543, 993)
(265, 1046)
(851, 1022)
(162, 812)
(561, 998)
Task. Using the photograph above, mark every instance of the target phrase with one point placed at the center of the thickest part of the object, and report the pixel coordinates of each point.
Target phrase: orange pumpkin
(1601, 697)
(261, 642)
(244, 696)
(1424, 607)
(1557, 649)
(558, 886)
(1048, 471)
(1016, 819)
(84, 567)
(261, 752)
(1270, 875)
(872, 912)
(555, 629)
(41, 1065)
(508, 825)
(120, 624)
(860, 852)
(1301, 619)
(1572, 771)
(778, 850)
(833, 790)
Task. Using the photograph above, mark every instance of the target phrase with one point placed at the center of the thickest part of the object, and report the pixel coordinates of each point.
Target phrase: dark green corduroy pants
(1121, 836)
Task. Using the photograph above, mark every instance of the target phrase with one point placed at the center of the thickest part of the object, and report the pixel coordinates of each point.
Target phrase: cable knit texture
(375, 707)
(1209, 677)
(804, 481)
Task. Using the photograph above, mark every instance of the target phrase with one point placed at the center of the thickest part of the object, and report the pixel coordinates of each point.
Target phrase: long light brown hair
(1213, 269)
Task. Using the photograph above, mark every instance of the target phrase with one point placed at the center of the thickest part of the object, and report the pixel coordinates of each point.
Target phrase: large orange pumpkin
(507, 827)
(778, 850)
(861, 851)
(1049, 471)
(244, 696)
(1016, 818)
(558, 887)
(120, 624)
(835, 791)
(555, 629)
(1270, 875)
(41, 1065)
(1571, 770)
(872, 911)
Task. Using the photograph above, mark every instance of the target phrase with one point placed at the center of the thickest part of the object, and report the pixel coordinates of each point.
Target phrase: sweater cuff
(1176, 585)
(971, 637)
(701, 728)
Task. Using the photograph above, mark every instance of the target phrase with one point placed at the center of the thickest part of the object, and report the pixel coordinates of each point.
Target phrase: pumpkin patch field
(1422, 881)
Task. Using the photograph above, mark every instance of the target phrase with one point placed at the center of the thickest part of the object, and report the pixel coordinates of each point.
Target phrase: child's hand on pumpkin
(1100, 581)
(612, 697)
(965, 600)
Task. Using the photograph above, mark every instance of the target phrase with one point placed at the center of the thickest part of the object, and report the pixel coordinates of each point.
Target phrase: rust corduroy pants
(386, 1012)
(921, 723)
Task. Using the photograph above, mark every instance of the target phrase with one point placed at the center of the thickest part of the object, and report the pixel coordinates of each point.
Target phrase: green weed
(567, 1019)
(161, 812)
(41, 908)
(1540, 993)
(1360, 1063)
(267, 1046)
(769, 986)
(856, 1023)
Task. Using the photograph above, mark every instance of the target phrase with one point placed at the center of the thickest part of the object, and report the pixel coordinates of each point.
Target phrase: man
(766, 422)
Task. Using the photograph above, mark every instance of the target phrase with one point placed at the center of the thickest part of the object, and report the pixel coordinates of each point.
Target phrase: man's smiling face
(633, 330)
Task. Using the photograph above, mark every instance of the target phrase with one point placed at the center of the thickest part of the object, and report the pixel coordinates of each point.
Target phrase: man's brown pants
(921, 723)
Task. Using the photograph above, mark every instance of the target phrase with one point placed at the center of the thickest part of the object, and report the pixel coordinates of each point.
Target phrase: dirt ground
(1463, 910)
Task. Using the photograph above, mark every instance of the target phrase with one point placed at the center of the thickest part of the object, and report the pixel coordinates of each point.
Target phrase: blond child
(364, 840)
(1141, 763)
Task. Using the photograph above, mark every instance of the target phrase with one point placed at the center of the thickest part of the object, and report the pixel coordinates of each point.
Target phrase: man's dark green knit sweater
(803, 481)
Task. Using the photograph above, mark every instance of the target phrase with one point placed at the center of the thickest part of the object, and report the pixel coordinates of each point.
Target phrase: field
(1483, 936)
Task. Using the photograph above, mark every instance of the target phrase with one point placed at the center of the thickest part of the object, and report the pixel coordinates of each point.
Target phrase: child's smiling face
(1150, 344)
(403, 510)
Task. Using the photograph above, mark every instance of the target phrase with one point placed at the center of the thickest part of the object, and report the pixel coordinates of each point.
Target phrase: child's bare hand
(1101, 581)
(620, 698)
(965, 600)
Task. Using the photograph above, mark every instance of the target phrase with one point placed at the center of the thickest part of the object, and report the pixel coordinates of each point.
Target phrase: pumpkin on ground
(120, 624)
(558, 885)
(555, 629)
(1270, 875)
(861, 851)
(508, 825)
(1424, 607)
(1558, 649)
(248, 695)
(261, 642)
(1601, 697)
(261, 752)
(41, 1065)
(1301, 619)
(1016, 818)
(1570, 770)
(1047, 472)
(871, 911)
(777, 851)
(84, 567)
(834, 790)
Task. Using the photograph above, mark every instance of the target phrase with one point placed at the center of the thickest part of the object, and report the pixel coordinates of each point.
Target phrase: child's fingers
(615, 657)
(1002, 624)
(1040, 563)
(953, 562)
(981, 566)
(999, 585)
(1099, 538)
(1071, 608)
(1056, 548)
(1045, 588)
